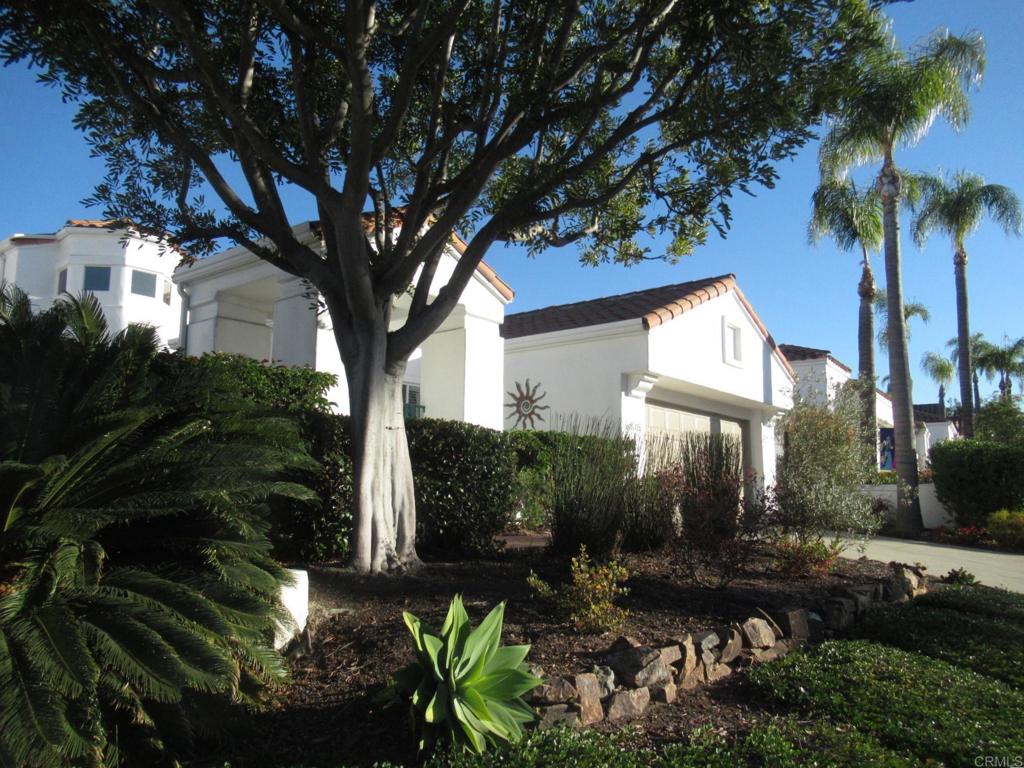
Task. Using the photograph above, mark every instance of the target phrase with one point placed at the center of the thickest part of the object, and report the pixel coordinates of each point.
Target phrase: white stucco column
(635, 387)
(462, 370)
(763, 453)
(229, 324)
(295, 328)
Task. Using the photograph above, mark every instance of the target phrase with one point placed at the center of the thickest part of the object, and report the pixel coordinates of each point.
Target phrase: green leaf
(481, 644)
(437, 709)
(506, 684)
(506, 657)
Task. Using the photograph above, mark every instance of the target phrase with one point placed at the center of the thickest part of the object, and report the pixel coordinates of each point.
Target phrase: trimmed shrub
(974, 478)
(983, 601)
(910, 702)
(1007, 528)
(806, 559)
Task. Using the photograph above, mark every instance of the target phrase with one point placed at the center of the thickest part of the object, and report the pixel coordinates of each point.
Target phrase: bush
(986, 644)
(983, 601)
(823, 466)
(910, 702)
(465, 486)
(588, 600)
(1001, 420)
(719, 526)
(463, 687)
(806, 559)
(974, 478)
(1007, 528)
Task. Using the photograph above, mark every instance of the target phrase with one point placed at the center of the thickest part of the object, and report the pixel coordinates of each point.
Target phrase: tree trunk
(963, 340)
(866, 352)
(908, 513)
(384, 527)
(977, 392)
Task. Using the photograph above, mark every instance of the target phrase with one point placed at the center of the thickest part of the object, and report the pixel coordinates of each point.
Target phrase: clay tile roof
(95, 223)
(652, 306)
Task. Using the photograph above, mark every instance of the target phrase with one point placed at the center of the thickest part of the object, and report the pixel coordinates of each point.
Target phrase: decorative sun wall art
(525, 406)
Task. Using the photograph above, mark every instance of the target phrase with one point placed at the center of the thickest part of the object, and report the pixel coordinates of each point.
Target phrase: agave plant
(463, 685)
(137, 591)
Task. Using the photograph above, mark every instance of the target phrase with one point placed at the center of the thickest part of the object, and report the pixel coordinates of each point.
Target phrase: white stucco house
(684, 357)
(236, 302)
(129, 273)
(820, 377)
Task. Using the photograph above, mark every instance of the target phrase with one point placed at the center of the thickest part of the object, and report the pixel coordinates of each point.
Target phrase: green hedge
(465, 478)
(976, 478)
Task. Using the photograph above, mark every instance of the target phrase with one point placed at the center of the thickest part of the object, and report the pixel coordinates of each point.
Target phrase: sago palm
(853, 219)
(956, 208)
(940, 369)
(897, 98)
(137, 591)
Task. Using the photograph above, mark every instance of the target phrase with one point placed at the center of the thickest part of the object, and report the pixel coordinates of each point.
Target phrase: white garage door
(675, 420)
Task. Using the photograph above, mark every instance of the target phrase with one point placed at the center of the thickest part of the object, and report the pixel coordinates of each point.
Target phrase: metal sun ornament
(524, 405)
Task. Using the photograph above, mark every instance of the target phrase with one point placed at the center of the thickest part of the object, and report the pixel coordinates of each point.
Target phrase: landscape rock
(588, 698)
(840, 614)
(556, 690)
(732, 646)
(556, 714)
(707, 640)
(670, 654)
(693, 679)
(861, 596)
(665, 693)
(639, 667)
(605, 680)
(777, 651)
(902, 584)
(718, 672)
(628, 704)
(708, 659)
(815, 626)
(623, 643)
(689, 656)
(757, 633)
(793, 622)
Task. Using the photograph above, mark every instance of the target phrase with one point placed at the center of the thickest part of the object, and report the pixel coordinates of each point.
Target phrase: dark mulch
(326, 716)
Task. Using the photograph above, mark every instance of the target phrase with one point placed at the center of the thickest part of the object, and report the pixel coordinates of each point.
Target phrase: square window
(167, 292)
(143, 283)
(62, 281)
(96, 279)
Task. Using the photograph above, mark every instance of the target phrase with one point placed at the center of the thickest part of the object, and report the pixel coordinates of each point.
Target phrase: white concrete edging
(295, 599)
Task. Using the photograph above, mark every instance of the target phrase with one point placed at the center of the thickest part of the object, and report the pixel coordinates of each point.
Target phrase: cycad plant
(137, 591)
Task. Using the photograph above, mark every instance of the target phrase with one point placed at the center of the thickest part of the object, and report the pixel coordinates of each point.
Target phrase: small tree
(1001, 420)
(547, 123)
(823, 466)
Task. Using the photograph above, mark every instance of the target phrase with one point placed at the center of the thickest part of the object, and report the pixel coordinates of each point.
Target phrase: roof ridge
(626, 295)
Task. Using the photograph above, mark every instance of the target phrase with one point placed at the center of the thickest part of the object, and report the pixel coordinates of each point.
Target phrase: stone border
(635, 675)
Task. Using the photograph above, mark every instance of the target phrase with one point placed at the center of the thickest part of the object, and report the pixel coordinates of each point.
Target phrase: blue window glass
(96, 279)
(143, 283)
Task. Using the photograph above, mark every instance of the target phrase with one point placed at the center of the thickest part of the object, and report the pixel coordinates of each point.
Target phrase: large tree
(955, 208)
(976, 344)
(897, 98)
(1005, 360)
(853, 219)
(548, 122)
(940, 369)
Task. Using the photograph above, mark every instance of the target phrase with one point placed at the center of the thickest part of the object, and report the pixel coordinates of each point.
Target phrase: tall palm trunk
(866, 352)
(963, 334)
(384, 533)
(977, 391)
(908, 513)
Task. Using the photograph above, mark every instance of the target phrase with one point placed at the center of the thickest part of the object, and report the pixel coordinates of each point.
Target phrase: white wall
(933, 513)
(33, 263)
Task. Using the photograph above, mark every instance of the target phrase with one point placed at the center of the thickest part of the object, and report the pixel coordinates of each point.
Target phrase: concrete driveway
(993, 569)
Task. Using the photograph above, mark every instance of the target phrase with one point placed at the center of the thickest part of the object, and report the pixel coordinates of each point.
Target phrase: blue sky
(805, 294)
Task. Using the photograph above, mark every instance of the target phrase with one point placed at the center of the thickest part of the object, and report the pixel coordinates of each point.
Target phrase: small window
(96, 279)
(144, 283)
(62, 281)
(732, 343)
(167, 292)
(411, 394)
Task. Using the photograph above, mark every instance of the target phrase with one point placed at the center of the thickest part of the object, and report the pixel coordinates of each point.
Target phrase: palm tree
(895, 101)
(1006, 360)
(956, 208)
(975, 345)
(911, 310)
(853, 218)
(941, 371)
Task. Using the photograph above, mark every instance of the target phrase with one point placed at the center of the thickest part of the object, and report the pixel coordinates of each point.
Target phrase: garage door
(673, 421)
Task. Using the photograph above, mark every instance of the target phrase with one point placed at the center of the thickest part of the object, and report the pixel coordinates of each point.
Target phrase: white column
(763, 448)
(295, 324)
(635, 387)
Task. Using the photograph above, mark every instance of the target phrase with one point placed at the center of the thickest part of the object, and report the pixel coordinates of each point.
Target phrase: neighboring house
(236, 302)
(687, 357)
(130, 274)
(820, 376)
